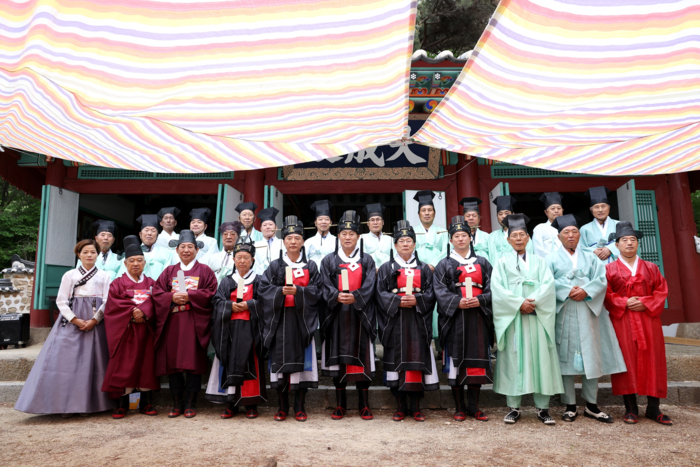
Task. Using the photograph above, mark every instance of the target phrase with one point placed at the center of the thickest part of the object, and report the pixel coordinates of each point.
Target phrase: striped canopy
(593, 86)
(203, 86)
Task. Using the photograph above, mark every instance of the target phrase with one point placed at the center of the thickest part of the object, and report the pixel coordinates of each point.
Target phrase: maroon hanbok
(131, 353)
(183, 332)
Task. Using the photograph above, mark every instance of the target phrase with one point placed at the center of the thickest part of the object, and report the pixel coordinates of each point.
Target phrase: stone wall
(17, 299)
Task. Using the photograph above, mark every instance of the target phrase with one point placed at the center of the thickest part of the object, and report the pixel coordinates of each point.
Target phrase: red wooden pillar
(467, 177)
(55, 173)
(253, 189)
(684, 230)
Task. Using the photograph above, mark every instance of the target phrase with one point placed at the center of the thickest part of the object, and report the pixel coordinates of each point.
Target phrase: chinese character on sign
(371, 155)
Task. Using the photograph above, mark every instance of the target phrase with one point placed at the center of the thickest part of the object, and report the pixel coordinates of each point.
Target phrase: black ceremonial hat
(246, 244)
(516, 222)
(597, 195)
(551, 197)
(268, 214)
(350, 220)
(171, 210)
(292, 225)
(322, 207)
(132, 246)
(187, 236)
(149, 220)
(424, 198)
(567, 220)
(236, 226)
(458, 224)
(470, 204)
(102, 225)
(200, 213)
(374, 209)
(504, 203)
(403, 229)
(625, 229)
(247, 206)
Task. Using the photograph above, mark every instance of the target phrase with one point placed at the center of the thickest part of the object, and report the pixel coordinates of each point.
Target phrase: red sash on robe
(354, 283)
(412, 376)
(302, 281)
(247, 295)
(477, 278)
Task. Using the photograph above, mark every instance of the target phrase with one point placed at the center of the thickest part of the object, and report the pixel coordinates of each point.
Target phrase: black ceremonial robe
(406, 333)
(289, 322)
(237, 341)
(465, 334)
(348, 331)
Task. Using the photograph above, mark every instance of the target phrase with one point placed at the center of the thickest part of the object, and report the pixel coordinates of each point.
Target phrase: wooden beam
(151, 187)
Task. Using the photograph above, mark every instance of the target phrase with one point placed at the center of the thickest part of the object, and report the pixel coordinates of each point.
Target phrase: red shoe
(149, 410)
(251, 413)
(190, 413)
(174, 412)
(460, 416)
(366, 414)
(630, 419)
(280, 416)
(338, 413)
(119, 414)
(398, 416)
(419, 416)
(301, 416)
(226, 414)
(481, 416)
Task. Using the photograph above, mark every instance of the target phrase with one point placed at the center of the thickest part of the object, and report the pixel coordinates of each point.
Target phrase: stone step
(679, 393)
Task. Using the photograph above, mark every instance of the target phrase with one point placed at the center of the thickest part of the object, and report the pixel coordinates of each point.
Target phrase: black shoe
(570, 416)
(600, 416)
(544, 417)
(513, 415)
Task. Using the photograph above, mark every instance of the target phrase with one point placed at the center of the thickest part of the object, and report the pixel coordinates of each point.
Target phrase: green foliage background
(454, 25)
(695, 197)
(19, 224)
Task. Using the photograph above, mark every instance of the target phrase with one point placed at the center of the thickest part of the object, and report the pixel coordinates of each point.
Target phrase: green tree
(454, 25)
(19, 224)
(695, 198)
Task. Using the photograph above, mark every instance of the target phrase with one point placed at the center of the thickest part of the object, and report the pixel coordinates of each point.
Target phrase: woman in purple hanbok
(68, 374)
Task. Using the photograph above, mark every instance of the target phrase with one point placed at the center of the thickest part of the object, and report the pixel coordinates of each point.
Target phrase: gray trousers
(589, 390)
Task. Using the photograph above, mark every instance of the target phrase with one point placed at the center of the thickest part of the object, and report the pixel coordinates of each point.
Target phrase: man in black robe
(405, 303)
(238, 374)
(465, 321)
(348, 322)
(289, 292)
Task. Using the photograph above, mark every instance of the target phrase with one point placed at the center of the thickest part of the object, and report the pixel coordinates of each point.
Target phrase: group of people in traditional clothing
(574, 301)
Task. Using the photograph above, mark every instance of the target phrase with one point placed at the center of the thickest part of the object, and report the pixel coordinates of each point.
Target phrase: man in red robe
(183, 296)
(129, 323)
(635, 299)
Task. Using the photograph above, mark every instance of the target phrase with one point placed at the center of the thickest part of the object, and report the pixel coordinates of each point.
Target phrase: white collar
(103, 255)
(245, 233)
(353, 258)
(633, 268)
(574, 257)
(505, 233)
(522, 257)
(410, 264)
(271, 239)
(462, 260)
(297, 264)
(604, 226)
(202, 236)
(163, 232)
(189, 266)
(249, 278)
(132, 279)
(378, 237)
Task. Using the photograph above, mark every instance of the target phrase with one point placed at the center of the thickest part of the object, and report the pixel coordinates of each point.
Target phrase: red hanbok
(183, 332)
(131, 354)
(639, 333)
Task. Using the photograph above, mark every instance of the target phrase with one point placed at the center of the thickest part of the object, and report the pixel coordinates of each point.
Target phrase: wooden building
(74, 196)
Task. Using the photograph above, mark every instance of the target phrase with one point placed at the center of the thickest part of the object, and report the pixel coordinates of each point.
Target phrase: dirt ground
(208, 440)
